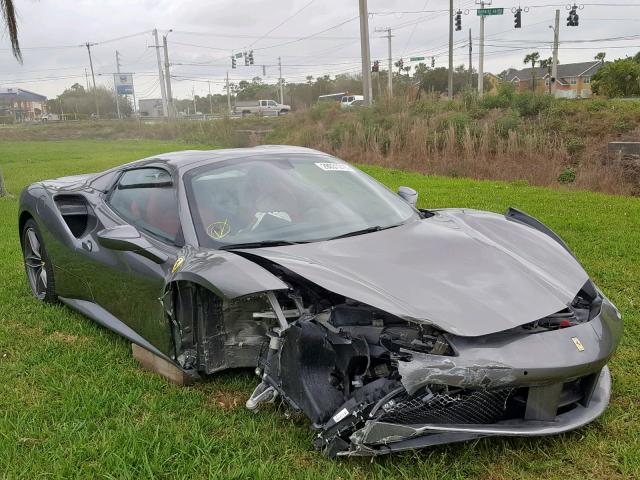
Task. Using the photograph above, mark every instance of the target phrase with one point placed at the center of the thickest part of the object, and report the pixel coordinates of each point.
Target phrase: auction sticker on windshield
(334, 167)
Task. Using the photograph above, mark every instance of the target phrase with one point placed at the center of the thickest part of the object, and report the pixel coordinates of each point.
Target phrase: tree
(532, 58)
(600, 56)
(3, 192)
(11, 24)
(620, 78)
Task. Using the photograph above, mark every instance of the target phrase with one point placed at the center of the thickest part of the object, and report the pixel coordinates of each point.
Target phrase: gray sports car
(390, 327)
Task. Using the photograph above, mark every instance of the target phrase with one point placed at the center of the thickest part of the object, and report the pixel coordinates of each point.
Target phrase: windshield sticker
(218, 230)
(334, 167)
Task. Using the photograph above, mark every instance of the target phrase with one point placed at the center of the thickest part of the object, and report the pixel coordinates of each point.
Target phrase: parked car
(351, 100)
(50, 117)
(264, 107)
(390, 327)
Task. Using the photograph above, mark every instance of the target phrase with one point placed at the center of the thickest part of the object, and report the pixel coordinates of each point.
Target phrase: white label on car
(334, 167)
(342, 414)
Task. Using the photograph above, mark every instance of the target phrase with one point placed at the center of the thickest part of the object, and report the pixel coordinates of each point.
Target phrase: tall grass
(509, 136)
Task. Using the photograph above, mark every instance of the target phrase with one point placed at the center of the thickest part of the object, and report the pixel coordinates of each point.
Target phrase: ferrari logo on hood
(578, 344)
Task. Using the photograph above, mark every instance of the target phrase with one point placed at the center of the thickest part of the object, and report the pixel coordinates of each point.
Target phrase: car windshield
(289, 198)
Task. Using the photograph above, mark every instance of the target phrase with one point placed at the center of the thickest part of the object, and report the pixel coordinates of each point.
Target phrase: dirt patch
(66, 337)
(227, 399)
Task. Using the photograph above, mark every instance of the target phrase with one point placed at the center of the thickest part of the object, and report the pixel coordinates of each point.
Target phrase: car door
(125, 283)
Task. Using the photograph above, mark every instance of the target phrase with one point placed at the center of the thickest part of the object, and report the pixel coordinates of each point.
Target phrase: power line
(282, 23)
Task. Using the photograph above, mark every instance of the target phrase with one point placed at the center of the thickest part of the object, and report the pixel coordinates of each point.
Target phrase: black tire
(37, 264)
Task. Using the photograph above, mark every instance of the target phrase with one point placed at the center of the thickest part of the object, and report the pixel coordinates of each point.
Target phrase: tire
(37, 264)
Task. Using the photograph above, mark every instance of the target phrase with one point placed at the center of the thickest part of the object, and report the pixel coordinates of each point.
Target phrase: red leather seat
(162, 211)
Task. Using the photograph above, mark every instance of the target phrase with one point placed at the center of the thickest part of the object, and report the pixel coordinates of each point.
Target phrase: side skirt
(98, 314)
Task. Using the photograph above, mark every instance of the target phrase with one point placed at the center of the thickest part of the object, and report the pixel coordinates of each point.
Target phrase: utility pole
(93, 76)
(167, 75)
(554, 65)
(390, 76)
(163, 91)
(210, 99)
(481, 60)
(470, 61)
(228, 95)
(450, 83)
(280, 81)
(115, 83)
(195, 105)
(365, 53)
(86, 79)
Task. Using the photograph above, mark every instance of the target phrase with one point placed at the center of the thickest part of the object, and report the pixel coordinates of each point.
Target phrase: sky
(312, 37)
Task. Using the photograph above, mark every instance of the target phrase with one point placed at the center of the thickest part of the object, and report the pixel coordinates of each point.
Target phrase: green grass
(74, 404)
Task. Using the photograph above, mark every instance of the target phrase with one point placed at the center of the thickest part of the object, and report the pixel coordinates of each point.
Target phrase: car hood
(467, 272)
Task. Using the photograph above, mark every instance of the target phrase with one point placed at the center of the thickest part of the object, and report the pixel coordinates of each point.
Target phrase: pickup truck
(264, 107)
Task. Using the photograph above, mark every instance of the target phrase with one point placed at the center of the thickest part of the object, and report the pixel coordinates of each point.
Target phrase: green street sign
(483, 12)
(416, 59)
(239, 55)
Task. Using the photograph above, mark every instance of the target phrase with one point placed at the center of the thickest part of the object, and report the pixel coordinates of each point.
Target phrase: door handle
(88, 245)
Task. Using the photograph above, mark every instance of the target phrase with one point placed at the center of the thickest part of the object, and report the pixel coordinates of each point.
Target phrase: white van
(348, 100)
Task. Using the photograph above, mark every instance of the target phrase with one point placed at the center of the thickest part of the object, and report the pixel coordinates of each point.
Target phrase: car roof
(188, 159)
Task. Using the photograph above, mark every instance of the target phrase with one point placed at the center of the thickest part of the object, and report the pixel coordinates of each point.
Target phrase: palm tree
(9, 20)
(532, 58)
(600, 56)
(547, 63)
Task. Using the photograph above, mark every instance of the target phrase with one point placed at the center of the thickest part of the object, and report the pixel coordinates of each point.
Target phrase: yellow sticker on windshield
(218, 230)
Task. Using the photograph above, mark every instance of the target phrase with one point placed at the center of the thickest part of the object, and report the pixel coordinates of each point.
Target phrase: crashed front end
(373, 383)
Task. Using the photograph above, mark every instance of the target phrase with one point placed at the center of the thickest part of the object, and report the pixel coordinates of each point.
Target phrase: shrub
(507, 123)
(495, 101)
(596, 105)
(529, 104)
(6, 120)
(568, 175)
(622, 126)
(458, 120)
(575, 146)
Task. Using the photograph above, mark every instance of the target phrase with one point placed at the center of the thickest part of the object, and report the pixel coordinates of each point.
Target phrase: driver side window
(147, 199)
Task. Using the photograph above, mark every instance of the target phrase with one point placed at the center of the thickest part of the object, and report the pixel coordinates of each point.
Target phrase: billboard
(124, 83)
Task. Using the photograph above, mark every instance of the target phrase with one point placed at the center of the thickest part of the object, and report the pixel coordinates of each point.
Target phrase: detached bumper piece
(481, 414)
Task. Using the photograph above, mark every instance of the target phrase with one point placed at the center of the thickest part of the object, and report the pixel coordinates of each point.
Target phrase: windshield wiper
(263, 243)
(375, 228)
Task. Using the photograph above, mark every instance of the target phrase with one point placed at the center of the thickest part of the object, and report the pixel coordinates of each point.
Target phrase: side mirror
(126, 238)
(409, 195)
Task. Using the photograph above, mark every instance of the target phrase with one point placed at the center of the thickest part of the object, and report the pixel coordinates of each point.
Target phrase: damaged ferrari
(389, 326)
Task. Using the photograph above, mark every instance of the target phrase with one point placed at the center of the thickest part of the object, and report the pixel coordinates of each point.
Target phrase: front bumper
(541, 364)
(377, 438)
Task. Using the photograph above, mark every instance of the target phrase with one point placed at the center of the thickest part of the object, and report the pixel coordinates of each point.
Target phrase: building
(150, 107)
(21, 105)
(574, 79)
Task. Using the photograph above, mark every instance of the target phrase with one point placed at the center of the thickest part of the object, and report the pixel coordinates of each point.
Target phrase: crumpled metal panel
(470, 273)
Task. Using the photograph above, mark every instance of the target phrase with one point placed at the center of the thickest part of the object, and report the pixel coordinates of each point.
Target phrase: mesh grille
(465, 407)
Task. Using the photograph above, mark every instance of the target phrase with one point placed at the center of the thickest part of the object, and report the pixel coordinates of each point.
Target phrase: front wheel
(37, 265)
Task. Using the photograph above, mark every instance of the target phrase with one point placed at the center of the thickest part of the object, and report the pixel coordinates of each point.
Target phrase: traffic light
(433, 62)
(251, 57)
(376, 66)
(573, 18)
(458, 20)
(246, 59)
(517, 18)
(233, 61)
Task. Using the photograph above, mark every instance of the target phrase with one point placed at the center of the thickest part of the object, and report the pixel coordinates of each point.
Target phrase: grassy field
(74, 404)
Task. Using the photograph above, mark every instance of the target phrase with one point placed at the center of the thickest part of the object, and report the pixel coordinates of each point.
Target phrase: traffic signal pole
(554, 65)
(365, 52)
(390, 79)
(481, 59)
(450, 81)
